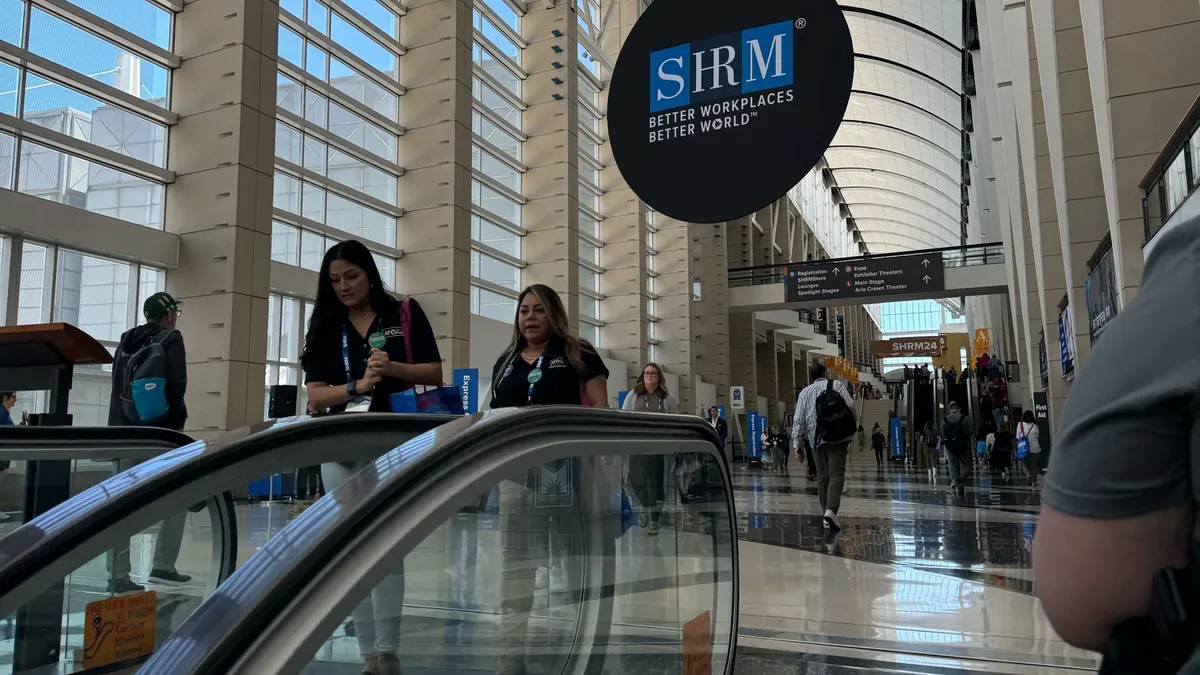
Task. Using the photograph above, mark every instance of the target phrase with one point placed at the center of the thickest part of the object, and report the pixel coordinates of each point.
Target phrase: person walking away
(1002, 450)
(878, 442)
(543, 364)
(149, 378)
(999, 392)
(952, 376)
(825, 416)
(1029, 447)
(647, 473)
(764, 443)
(861, 435)
(956, 439)
(364, 344)
(931, 440)
(8, 399)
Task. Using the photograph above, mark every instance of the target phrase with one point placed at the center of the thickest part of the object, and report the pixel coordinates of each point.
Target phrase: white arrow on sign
(836, 271)
(927, 278)
(925, 262)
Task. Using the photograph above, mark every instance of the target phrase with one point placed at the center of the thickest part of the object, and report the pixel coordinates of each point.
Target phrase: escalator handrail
(60, 540)
(442, 467)
(26, 444)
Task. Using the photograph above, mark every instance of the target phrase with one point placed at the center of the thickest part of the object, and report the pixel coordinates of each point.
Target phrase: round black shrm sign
(716, 109)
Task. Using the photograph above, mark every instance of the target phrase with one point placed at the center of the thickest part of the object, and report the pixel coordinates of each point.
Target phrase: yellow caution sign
(119, 629)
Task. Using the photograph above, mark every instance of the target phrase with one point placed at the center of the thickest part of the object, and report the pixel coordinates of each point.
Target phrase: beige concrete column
(435, 191)
(785, 370)
(551, 153)
(1062, 55)
(677, 349)
(625, 309)
(1144, 74)
(1052, 274)
(222, 151)
(766, 365)
(713, 322)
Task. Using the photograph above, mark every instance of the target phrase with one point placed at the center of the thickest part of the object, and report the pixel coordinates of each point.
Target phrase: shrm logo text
(755, 59)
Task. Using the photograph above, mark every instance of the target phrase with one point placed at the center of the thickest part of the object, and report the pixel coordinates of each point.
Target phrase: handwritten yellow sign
(119, 629)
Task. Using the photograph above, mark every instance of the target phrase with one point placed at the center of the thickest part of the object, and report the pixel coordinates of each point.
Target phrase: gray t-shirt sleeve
(1126, 438)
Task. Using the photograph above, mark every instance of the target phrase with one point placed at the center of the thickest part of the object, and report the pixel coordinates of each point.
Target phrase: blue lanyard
(537, 367)
(346, 361)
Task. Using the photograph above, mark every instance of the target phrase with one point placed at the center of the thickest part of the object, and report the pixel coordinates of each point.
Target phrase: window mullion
(499, 89)
(335, 141)
(497, 254)
(360, 22)
(495, 52)
(305, 78)
(490, 15)
(500, 155)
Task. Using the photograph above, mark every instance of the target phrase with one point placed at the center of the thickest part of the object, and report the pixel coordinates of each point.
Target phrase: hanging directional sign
(865, 278)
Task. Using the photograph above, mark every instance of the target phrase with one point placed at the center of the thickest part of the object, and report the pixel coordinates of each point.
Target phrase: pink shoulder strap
(406, 328)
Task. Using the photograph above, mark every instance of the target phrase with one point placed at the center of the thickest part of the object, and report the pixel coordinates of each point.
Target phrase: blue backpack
(144, 401)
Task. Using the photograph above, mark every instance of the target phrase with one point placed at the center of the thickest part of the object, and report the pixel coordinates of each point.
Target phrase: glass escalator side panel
(117, 607)
(622, 562)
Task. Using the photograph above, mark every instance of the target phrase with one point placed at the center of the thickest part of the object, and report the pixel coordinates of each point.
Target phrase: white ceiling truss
(898, 157)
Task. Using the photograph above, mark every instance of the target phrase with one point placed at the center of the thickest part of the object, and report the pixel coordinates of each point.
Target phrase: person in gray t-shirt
(1118, 503)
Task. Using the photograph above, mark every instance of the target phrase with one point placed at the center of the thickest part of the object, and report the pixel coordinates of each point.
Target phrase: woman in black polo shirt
(543, 365)
(354, 349)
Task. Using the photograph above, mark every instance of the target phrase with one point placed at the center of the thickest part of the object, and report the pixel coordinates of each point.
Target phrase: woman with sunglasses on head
(356, 348)
(646, 472)
(544, 364)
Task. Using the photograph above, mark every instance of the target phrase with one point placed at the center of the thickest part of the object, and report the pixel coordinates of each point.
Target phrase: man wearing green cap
(161, 312)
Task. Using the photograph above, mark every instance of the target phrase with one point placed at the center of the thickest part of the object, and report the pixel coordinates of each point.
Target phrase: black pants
(879, 455)
(646, 477)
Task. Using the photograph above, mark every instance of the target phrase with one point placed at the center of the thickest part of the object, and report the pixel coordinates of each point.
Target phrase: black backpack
(835, 419)
(955, 435)
(144, 399)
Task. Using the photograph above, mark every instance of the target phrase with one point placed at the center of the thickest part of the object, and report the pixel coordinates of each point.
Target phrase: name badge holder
(358, 401)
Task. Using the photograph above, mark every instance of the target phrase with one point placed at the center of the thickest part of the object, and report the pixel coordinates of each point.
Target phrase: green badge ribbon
(534, 376)
(377, 340)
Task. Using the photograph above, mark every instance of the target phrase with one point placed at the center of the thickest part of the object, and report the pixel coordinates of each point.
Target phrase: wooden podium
(43, 357)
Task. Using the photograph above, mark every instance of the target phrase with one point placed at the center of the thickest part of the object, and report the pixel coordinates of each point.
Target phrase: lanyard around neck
(660, 402)
(346, 360)
(533, 378)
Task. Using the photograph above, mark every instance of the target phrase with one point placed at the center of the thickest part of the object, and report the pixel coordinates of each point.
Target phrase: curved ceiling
(897, 158)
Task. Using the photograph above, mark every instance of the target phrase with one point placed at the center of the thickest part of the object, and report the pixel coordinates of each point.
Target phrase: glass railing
(1174, 175)
(100, 580)
(548, 541)
(952, 257)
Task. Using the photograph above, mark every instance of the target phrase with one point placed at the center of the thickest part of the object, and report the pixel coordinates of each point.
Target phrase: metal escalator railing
(504, 539)
(21, 443)
(82, 545)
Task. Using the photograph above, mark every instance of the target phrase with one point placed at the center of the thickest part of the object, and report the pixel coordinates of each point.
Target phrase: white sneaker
(558, 580)
(541, 578)
(831, 520)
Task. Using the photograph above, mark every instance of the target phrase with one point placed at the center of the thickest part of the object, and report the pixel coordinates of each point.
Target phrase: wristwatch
(352, 387)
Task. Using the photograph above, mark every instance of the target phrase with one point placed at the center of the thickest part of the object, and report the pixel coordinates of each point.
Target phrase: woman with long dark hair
(647, 475)
(544, 364)
(357, 347)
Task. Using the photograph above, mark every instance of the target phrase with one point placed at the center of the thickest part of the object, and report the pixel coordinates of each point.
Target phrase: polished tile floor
(917, 581)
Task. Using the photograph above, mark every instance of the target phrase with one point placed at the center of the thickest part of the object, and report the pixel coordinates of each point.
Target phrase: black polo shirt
(559, 384)
(326, 363)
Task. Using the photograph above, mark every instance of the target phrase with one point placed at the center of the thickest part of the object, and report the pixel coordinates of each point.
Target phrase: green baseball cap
(159, 305)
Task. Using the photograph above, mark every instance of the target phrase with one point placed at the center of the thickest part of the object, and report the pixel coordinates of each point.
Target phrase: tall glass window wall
(496, 166)
(912, 317)
(337, 130)
(92, 132)
(287, 320)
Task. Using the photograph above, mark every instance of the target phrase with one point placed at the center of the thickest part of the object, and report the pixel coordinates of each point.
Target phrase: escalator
(64, 560)
(498, 543)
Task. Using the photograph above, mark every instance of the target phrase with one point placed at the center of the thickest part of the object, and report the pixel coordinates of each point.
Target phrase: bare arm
(597, 391)
(1085, 589)
(322, 395)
